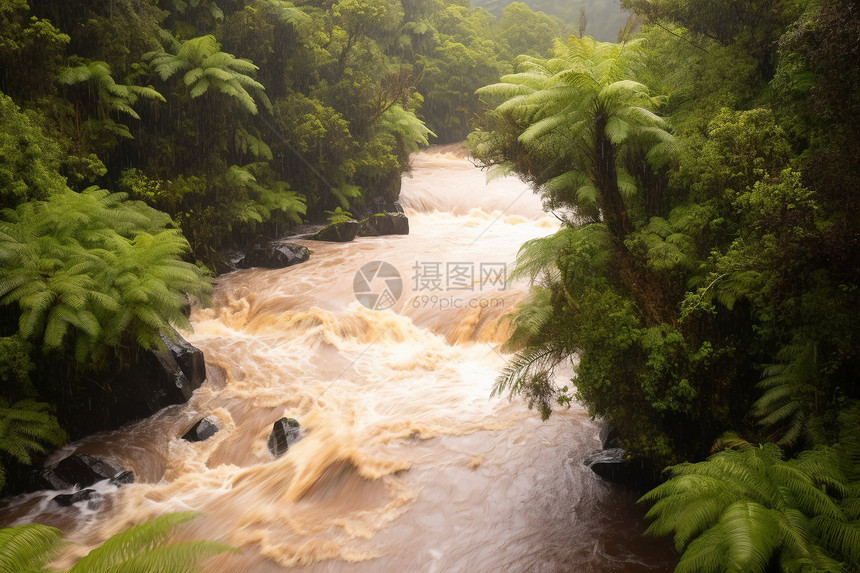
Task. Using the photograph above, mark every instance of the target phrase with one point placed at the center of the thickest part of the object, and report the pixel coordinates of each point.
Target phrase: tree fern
(26, 428)
(93, 268)
(28, 548)
(742, 510)
(575, 114)
(111, 95)
(788, 390)
(206, 66)
(141, 549)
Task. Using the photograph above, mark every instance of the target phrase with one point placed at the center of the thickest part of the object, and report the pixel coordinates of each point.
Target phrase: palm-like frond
(787, 388)
(26, 427)
(28, 548)
(79, 264)
(529, 373)
(739, 510)
(111, 95)
(206, 66)
(539, 256)
(568, 106)
(141, 549)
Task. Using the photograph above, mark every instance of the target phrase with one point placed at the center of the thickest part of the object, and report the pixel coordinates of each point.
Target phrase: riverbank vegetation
(705, 167)
(706, 274)
(141, 139)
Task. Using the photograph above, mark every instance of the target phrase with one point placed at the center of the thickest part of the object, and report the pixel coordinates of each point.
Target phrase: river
(406, 463)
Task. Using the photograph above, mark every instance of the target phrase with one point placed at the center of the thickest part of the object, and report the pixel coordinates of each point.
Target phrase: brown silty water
(406, 463)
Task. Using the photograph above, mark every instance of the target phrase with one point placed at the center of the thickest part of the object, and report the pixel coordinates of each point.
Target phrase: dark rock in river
(274, 256)
(162, 378)
(615, 465)
(341, 232)
(93, 498)
(146, 382)
(609, 436)
(285, 432)
(384, 224)
(122, 478)
(76, 470)
(612, 465)
(202, 430)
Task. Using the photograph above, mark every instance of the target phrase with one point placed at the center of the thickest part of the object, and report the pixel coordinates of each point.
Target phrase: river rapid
(406, 463)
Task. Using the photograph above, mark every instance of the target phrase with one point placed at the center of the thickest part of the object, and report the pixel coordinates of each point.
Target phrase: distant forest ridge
(604, 18)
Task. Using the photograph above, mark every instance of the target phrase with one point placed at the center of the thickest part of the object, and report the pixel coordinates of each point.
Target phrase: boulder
(285, 432)
(341, 232)
(93, 498)
(384, 224)
(274, 256)
(122, 478)
(202, 430)
(615, 465)
(79, 470)
(161, 378)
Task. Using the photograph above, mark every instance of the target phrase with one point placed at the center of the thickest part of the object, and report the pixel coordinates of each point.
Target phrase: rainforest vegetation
(142, 139)
(705, 276)
(704, 280)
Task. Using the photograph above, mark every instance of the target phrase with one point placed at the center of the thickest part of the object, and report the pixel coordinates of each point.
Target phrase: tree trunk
(611, 203)
(635, 277)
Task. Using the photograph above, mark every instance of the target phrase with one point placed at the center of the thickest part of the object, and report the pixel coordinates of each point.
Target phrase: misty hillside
(603, 17)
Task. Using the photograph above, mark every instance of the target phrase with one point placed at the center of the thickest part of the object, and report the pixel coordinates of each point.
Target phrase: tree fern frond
(28, 548)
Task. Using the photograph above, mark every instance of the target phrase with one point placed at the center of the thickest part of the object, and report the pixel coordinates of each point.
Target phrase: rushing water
(407, 464)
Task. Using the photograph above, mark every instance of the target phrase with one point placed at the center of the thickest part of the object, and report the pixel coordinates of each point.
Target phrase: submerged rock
(615, 465)
(285, 432)
(274, 256)
(122, 478)
(383, 224)
(79, 470)
(341, 232)
(202, 430)
(93, 498)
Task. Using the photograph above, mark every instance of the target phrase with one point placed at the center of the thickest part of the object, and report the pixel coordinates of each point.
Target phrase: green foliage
(574, 116)
(28, 548)
(787, 388)
(111, 95)
(751, 510)
(411, 133)
(143, 547)
(95, 268)
(338, 216)
(688, 260)
(205, 66)
(26, 427)
(28, 159)
(527, 32)
(24, 40)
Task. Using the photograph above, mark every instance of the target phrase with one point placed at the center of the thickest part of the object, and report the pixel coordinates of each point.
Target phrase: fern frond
(28, 548)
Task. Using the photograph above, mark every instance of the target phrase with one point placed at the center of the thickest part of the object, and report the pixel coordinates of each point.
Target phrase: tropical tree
(205, 66)
(29, 548)
(26, 427)
(111, 96)
(90, 263)
(574, 116)
(748, 509)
